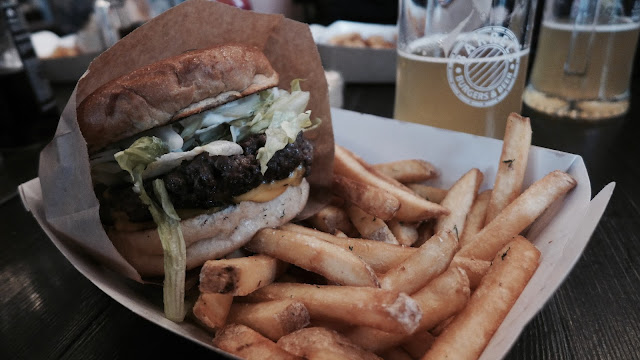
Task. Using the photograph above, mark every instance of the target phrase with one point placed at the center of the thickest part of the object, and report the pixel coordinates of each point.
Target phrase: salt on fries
(392, 268)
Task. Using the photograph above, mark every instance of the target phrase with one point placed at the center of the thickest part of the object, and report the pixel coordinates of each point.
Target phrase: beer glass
(584, 60)
(462, 63)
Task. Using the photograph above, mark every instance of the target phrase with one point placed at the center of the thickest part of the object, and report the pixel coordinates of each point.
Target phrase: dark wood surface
(48, 310)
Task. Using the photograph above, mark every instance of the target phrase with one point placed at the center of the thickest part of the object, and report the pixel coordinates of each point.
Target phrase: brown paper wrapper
(70, 204)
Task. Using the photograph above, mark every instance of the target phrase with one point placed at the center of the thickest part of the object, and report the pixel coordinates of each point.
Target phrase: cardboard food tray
(561, 233)
(357, 65)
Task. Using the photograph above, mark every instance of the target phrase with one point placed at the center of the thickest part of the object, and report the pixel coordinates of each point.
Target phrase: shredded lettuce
(135, 160)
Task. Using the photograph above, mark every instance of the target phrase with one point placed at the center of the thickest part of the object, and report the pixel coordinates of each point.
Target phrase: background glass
(584, 59)
(462, 63)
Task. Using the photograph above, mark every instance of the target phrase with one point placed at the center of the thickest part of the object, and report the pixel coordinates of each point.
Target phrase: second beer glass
(462, 64)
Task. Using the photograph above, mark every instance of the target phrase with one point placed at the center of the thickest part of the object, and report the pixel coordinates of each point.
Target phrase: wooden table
(49, 310)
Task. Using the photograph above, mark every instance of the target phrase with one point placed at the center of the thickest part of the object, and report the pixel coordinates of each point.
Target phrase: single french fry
(369, 226)
(396, 353)
(377, 308)
(412, 207)
(439, 329)
(370, 199)
(380, 256)
(418, 344)
(310, 253)
(476, 269)
(459, 200)
(318, 342)
(212, 310)
(475, 219)
(430, 193)
(518, 215)
(272, 319)
(471, 330)
(239, 276)
(246, 343)
(331, 219)
(442, 298)
(408, 171)
(512, 165)
(431, 259)
(405, 233)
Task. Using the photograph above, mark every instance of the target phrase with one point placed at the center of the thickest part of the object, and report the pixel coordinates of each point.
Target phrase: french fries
(429, 193)
(408, 171)
(518, 215)
(332, 219)
(318, 342)
(242, 341)
(212, 310)
(470, 331)
(431, 259)
(370, 199)
(369, 226)
(378, 308)
(512, 165)
(412, 207)
(459, 200)
(475, 218)
(239, 276)
(392, 268)
(380, 256)
(310, 253)
(443, 297)
(273, 319)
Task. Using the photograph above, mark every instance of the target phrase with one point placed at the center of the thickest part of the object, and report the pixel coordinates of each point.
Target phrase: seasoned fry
(512, 165)
(405, 233)
(272, 319)
(431, 259)
(331, 219)
(518, 215)
(430, 193)
(412, 207)
(408, 171)
(475, 219)
(476, 269)
(318, 342)
(387, 310)
(212, 310)
(459, 200)
(370, 199)
(380, 256)
(369, 226)
(471, 330)
(313, 254)
(442, 298)
(419, 343)
(242, 341)
(239, 276)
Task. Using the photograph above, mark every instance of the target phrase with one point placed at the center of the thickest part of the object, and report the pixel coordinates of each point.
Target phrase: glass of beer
(462, 63)
(584, 60)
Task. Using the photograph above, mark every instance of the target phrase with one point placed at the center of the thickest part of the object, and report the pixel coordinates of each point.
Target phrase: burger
(192, 155)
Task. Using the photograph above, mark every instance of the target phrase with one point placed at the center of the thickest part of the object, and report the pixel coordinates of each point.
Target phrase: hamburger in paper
(186, 145)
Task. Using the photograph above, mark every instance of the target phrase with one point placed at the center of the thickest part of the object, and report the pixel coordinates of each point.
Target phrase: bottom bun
(211, 236)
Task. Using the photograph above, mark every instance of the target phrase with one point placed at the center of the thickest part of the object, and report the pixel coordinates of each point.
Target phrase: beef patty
(211, 181)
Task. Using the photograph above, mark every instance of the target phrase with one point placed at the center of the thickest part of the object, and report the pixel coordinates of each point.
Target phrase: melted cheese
(269, 191)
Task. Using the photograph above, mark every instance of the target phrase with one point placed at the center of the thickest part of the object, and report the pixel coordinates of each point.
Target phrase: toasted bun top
(171, 89)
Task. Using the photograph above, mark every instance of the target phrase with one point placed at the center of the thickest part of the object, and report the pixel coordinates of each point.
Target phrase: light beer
(582, 72)
(471, 90)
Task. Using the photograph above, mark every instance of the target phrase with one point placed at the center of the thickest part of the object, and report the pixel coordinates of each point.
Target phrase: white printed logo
(484, 66)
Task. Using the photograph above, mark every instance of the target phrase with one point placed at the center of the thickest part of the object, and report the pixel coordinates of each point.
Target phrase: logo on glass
(485, 66)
